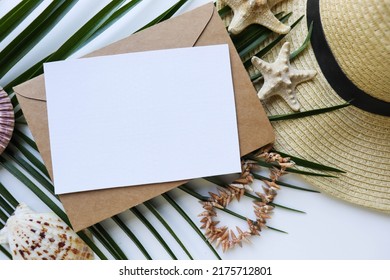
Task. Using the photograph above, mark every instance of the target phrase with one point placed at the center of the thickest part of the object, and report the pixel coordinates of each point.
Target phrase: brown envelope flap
(254, 128)
(87, 208)
(32, 99)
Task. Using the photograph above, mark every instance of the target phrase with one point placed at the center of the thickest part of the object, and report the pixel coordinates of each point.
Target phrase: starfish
(247, 12)
(280, 78)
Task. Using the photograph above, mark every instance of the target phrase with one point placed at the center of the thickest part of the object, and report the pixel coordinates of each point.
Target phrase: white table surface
(330, 229)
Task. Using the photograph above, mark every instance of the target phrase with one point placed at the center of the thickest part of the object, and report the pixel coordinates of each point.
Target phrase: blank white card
(141, 118)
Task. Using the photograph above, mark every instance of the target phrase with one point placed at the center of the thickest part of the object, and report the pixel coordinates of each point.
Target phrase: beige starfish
(280, 78)
(247, 12)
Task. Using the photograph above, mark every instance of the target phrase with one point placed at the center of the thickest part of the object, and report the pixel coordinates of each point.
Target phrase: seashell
(7, 120)
(280, 78)
(247, 12)
(42, 236)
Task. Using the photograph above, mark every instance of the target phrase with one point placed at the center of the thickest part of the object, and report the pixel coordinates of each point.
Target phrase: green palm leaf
(224, 209)
(21, 162)
(122, 11)
(8, 196)
(132, 236)
(257, 76)
(6, 163)
(253, 41)
(267, 48)
(5, 252)
(86, 31)
(102, 235)
(260, 177)
(4, 205)
(171, 201)
(15, 16)
(218, 182)
(33, 159)
(291, 170)
(253, 36)
(155, 212)
(42, 196)
(165, 15)
(30, 36)
(20, 135)
(223, 12)
(142, 218)
(274, 204)
(309, 164)
(307, 113)
(101, 20)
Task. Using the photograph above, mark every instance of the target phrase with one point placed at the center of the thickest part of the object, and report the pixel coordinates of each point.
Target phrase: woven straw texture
(363, 57)
(350, 139)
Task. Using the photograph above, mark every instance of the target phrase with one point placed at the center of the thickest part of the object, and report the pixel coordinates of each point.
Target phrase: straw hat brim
(350, 139)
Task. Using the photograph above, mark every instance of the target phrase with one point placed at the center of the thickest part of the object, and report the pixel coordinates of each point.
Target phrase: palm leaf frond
(132, 236)
(165, 15)
(171, 201)
(15, 16)
(32, 34)
(77, 40)
(122, 11)
(291, 170)
(19, 161)
(259, 38)
(260, 177)
(304, 45)
(5, 252)
(215, 180)
(254, 35)
(255, 77)
(275, 204)
(108, 242)
(7, 207)
(8, 196)
(150, 227)
(309, 164)
(25, 138)
(308, 113)
(224, 209)
(6, 163)
(267, 48)
(155, 212)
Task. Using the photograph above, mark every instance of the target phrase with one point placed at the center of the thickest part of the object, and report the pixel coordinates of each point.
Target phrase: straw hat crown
(350, 50)
(358, 34)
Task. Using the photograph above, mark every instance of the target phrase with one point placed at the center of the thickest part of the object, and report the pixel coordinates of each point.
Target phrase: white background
(330, 229)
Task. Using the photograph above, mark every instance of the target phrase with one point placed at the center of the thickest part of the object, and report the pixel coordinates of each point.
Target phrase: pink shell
(7, 120)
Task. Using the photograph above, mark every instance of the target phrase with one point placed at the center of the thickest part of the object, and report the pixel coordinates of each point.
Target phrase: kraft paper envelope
(198, 27)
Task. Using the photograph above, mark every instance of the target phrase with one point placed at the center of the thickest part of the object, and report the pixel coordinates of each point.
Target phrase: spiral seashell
(7, 120)
(42, 236)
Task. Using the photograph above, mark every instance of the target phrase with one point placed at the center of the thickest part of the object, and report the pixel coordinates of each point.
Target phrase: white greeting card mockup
(141, 118)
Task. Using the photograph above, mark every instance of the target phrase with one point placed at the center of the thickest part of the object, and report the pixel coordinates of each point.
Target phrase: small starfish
(247, 12)
(280, 78)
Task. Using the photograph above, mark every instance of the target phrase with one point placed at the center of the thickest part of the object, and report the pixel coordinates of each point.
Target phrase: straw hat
(352, 60)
